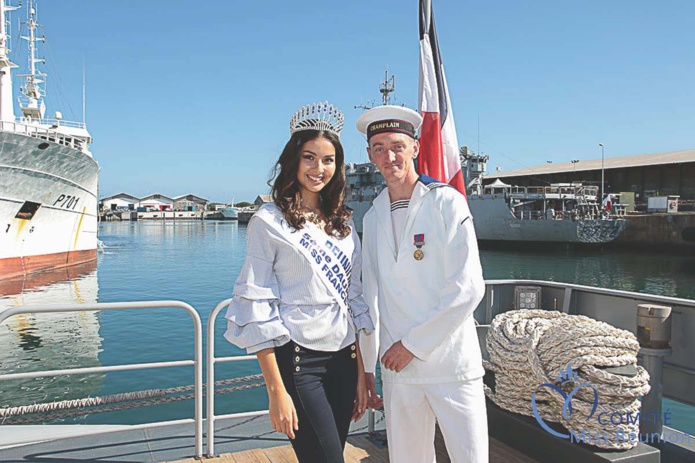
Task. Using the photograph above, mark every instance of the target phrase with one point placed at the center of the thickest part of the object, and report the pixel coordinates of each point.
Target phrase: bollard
(654, 336)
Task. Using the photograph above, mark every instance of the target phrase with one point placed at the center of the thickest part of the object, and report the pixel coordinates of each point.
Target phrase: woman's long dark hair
(286, 193)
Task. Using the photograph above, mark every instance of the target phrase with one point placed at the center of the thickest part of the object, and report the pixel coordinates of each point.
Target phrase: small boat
(229, 212)
(48, 192)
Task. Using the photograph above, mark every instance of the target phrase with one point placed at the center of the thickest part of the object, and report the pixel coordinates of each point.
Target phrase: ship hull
(494, 221)
(48, 205)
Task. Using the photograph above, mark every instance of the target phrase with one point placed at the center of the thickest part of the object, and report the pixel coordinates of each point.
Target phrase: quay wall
(674, 231)
(245, 216)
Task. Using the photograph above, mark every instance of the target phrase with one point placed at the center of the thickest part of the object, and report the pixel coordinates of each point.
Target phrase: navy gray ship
(560, 213)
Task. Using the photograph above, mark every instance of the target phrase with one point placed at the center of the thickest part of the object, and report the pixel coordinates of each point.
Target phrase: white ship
(48, 177)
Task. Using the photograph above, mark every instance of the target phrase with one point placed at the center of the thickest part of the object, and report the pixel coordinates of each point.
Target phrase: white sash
(326, 258)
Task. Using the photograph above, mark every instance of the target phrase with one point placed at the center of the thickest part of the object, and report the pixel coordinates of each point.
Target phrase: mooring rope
(69, 408)
(529, 348)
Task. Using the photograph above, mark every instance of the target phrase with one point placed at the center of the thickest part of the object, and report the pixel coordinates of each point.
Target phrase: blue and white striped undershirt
(399, 214)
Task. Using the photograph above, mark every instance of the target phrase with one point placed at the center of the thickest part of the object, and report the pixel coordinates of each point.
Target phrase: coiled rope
(70, 408)
(529, 348)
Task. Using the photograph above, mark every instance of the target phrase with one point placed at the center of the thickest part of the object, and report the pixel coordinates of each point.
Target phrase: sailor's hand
(397, 357)
(283, 415)
(373, 401)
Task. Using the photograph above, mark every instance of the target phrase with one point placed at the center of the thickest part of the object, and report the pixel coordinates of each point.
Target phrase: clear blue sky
(195, 97)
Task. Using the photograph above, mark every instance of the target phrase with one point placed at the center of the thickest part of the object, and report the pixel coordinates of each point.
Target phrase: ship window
(43, 146)
(27, 211)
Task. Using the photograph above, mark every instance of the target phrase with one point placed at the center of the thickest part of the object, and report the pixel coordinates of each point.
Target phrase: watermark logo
(566, 376)
(620, 421)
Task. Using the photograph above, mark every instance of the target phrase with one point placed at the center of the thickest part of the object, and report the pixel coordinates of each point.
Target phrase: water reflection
(667, 275)
(33, 342)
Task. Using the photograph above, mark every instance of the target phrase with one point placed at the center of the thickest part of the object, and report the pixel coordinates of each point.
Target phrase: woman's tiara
(318, 116)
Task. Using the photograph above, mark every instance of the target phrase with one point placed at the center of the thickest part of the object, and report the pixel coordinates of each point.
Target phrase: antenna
(84, 91)
(478, 133)
(370, 104)
(387, 87)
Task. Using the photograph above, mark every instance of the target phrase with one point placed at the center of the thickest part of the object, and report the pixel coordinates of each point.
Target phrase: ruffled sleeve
(253, 319)
(359, 310)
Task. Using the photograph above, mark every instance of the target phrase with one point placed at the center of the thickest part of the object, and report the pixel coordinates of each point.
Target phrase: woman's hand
(361, 394)
(373, 401)
(283, 415)
(360, 397)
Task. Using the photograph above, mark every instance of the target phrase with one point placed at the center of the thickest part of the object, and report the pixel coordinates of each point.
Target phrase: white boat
(48, 176)
(229, 212)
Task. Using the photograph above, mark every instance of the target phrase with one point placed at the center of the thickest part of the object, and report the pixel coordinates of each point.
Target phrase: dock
(673, 231)
(359, 449)
(120, 216)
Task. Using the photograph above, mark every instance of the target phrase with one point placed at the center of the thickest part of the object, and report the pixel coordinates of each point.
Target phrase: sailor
(422, 281)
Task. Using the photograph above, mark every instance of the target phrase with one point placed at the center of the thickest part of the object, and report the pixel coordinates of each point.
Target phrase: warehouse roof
(672, 157)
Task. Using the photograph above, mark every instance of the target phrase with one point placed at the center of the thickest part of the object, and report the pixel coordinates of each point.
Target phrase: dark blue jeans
(322, 386)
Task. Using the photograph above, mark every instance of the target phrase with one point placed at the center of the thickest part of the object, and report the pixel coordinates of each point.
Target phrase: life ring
(672, 205)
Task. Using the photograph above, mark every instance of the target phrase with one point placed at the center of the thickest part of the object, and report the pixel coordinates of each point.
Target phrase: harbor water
(197, 262)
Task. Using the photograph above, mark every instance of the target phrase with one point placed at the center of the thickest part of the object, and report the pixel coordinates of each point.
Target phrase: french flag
(439, 148)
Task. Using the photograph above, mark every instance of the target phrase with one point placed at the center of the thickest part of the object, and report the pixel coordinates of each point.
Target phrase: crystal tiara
(318, 116)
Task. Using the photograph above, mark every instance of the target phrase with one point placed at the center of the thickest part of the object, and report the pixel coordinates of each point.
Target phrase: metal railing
(612, 306)
(196, 362)
(210, 398)
(43, 133)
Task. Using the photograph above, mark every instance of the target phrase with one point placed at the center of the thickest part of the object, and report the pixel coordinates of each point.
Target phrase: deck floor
(358, 450)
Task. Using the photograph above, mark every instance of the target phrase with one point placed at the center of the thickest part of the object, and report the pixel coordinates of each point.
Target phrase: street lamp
(574, 163)
(601, 145)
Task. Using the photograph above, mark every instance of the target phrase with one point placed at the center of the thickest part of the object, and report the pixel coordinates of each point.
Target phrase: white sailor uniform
(428, 305)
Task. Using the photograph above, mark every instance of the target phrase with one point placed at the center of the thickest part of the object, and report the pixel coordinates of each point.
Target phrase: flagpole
(439, 150)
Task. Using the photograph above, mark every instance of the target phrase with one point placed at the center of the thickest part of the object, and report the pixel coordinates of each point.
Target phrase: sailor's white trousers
(459, 408)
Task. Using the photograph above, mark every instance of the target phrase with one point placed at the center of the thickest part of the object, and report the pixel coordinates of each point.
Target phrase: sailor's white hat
(389, 119)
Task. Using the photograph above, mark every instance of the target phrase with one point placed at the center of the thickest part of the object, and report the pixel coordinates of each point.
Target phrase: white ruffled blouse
(278, 296)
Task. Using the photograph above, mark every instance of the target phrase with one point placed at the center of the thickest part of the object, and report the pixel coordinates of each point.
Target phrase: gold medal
(418, 254)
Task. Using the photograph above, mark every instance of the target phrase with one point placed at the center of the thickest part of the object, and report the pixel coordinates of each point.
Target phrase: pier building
(646, 175)
(190, 202)
(120, 201)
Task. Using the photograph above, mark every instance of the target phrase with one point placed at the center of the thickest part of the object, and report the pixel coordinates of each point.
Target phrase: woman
(298, 300)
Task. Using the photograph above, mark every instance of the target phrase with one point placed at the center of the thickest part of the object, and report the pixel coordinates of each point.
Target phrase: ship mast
(387, 87)
(6, 66)
(33, 106)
